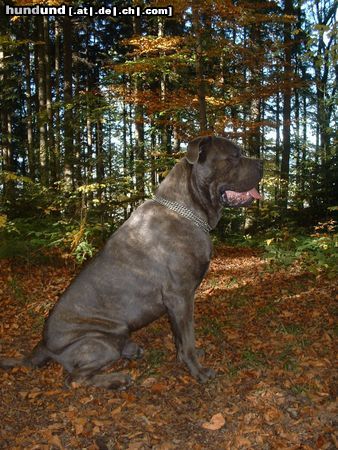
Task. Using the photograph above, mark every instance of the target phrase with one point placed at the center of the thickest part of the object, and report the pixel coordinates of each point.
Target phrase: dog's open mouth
(233, 198)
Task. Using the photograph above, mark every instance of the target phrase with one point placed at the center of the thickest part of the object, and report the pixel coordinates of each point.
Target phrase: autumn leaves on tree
(96, 109)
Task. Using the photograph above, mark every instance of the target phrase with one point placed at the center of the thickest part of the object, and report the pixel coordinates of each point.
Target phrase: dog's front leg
(180, 311)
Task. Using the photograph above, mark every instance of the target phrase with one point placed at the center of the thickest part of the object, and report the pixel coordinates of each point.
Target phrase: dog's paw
(132, 351)
(205, 374)
(200, 352)
(121, 382)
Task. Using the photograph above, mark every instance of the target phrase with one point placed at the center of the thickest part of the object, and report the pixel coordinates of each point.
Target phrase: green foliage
(253, 359)
(317, 252)
(155, 357)
(213, 326)
(32, 239)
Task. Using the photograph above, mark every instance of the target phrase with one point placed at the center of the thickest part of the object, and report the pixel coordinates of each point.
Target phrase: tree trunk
(164, 121)
(285, 163)
(99, 151)
(41, 82)
(48, 89)
(68, 97)
(57, 151)
(7, 157)
(297, 146)
(199, 69)
(28, 100)
(139, 126)
(255, 107)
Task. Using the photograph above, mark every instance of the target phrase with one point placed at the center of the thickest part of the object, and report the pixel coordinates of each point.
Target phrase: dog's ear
(197, 148)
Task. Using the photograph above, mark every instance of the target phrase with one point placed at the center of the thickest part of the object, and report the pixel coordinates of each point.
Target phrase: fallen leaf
(148, 382)
(165, 446)
(158, 388)
(79, 424)
(216, 422)
(272, 415)
(116, 411)
(242, 441)
(135, 445)
(86, 400)
(55, 441)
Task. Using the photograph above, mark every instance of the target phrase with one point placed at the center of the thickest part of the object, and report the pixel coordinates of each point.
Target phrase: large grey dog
(150, 266)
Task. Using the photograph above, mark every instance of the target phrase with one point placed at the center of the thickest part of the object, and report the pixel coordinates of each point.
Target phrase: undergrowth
(33, 239)
(317, 252)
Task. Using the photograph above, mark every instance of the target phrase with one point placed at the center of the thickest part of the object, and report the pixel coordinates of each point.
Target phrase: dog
(149, 267)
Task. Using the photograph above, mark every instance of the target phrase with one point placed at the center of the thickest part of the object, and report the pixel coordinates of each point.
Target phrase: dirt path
(270, 336)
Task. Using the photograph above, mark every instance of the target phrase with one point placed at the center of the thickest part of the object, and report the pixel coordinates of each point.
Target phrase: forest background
(96, 110)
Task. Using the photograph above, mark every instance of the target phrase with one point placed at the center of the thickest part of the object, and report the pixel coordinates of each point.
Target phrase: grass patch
(299, 389)
(212, 326)
(38, 322)
(286, 357)
(232, 282)
(232, 370)
(17, 291)
(253, 359)
(291, 328)
(239, 300)
(213, 282)
(266, 310)
(155, 358)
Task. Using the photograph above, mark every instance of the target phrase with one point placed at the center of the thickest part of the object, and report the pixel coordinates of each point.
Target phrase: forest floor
(270, 335)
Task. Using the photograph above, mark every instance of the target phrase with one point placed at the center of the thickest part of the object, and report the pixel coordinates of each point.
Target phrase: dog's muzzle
(232, 198)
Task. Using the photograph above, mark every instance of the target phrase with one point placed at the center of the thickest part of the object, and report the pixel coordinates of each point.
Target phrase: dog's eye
(235, 155)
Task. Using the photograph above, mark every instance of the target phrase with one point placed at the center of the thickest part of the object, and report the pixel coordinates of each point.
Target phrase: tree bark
(139, 126)
(68, 97)
(199, 70)
(41, 82)
(48, 89)
(285, 163)
(57, 140)
(28, 100)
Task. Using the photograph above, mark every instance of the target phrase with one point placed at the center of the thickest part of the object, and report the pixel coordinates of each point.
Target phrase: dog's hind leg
(85, 358)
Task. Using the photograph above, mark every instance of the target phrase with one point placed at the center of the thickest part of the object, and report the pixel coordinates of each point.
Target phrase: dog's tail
(37, 358)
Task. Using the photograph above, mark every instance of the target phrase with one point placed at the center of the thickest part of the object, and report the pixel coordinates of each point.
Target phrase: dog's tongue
(255, 194)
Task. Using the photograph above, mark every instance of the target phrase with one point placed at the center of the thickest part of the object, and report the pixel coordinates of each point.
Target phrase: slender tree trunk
(199, 69)
(28, 99)
(89, 153)
(176, 137)
(7, 157)
(285, 163)
(153, 157)
(278, 146)
(139, 126)
(68, 97)
(297, 145)
(164, 127)
(57, 151)
(304, 146)
(124, 139)
(89, 168)
(99, 151)
(41, 82)
(77, 135)
(48, 89)
(255, 107)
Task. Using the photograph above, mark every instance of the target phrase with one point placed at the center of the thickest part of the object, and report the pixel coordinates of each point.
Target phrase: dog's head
(230, 178)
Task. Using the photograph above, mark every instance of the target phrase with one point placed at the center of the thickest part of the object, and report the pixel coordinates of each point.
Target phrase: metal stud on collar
(185, 212)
